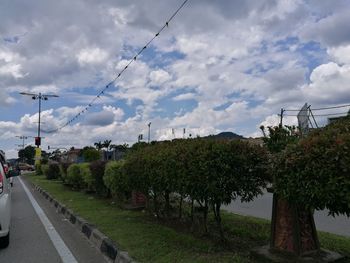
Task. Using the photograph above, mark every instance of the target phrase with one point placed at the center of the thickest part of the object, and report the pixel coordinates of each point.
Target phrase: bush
(74, 177)
(87, 176)
(316, 171)
(53, 171)
(38, 170)
(97, 169)
(210, 172)
(116, 180)
(63, 171)
(44, 169)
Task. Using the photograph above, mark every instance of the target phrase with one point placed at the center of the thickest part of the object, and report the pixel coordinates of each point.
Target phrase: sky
(224, 65)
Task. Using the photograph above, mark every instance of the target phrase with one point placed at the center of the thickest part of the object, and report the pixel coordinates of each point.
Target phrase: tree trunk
(180, 207)
(292, 228)
(218, 220)
(205, 216)
(167, 203)
(192, 211)
(156, 207)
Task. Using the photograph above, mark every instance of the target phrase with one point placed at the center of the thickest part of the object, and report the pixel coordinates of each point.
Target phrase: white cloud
(92, 56)
(185, 96)
(159, 76)
(340, 54)
(329, 83)
(246, 58)
(13, 70)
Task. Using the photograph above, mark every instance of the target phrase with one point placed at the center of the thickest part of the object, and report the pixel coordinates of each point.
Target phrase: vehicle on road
(26, 167)
(5, 200)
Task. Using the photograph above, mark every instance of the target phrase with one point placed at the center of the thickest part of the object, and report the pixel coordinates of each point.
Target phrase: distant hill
(225, 135)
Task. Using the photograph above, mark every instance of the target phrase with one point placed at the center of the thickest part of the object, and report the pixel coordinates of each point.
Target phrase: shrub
(53, 171)
(116, 180)
(63, 171)
(87, 177)
(209, 172)
(316, 171)
(97, 169)
(74, 177)
(38, 170)
(44, 169)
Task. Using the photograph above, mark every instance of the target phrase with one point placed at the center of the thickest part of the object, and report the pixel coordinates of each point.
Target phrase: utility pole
(149, 132)
(23, 138)
(281, 115)
(40, 97)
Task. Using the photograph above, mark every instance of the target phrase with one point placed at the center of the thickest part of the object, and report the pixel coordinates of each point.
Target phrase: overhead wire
(324, 108)
(134, 58)
(320, 115)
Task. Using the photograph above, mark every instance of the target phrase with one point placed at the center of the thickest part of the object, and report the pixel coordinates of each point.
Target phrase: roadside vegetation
(148, 239)
(184, 183)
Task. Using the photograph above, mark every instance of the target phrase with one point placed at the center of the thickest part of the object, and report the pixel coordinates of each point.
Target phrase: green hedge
(53, 171)
(116, 180)
(97, 169)
(87, 176)
(44, 170)
(74, 176)
(63, 171)
(209, 172)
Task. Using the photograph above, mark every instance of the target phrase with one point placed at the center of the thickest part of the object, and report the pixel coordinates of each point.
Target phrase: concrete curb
(101, 242)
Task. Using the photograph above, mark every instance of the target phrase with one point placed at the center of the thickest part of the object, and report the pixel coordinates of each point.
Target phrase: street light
(23, 138)
(149, 131)
(39, 97)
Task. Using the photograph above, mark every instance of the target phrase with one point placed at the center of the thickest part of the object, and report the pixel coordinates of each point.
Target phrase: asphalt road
(29, 239)
(262, 207)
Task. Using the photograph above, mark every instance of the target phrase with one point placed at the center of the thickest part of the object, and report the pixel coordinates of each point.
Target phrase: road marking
(64, 252)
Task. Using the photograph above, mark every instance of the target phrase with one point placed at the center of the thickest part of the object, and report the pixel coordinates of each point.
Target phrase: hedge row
(208, 173)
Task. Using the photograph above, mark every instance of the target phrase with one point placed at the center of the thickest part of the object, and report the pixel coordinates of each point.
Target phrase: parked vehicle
(5, 201)
(26, 167)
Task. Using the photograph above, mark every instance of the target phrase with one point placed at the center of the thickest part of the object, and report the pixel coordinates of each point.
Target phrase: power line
(325, 108)
(321, 115)
(166, 25)
(334, 107)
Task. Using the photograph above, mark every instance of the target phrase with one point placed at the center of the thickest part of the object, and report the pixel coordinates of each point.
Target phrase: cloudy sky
(224, 65)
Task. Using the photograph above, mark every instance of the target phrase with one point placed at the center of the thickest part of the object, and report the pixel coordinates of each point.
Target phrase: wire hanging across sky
(321, 115)
(325, 108)
(102, 91)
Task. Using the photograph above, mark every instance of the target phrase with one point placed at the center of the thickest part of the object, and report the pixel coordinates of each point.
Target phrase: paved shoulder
(30, 241)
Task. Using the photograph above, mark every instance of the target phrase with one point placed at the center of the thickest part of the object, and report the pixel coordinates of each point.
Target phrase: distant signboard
(303, 120)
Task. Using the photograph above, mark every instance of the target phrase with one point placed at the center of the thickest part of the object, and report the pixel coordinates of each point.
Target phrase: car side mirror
(12, 173)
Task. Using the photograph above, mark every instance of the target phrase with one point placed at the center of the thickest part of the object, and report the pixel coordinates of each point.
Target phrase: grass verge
(147, 240)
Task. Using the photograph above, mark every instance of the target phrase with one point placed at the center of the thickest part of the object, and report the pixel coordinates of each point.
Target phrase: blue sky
(220, 66)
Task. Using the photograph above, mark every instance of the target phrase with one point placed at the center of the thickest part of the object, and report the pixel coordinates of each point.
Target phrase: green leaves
(203, 170)
(315, 171)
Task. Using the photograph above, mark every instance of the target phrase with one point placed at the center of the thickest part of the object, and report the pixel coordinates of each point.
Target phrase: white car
(5, 205)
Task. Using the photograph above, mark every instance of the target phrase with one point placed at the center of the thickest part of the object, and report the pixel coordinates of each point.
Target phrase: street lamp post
(40, 97)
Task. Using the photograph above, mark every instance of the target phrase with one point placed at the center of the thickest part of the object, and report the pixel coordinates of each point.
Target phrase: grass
(147, 240)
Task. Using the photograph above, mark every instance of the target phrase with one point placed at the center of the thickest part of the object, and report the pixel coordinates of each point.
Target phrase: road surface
(29, 239)
(262, 207)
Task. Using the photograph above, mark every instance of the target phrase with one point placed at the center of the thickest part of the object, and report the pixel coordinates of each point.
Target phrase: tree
(106, 144)
(90, 154)
(316, 171)
(27, 154)
(98, 145)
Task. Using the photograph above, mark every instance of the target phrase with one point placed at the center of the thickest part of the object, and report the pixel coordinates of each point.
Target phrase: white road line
(64, 252)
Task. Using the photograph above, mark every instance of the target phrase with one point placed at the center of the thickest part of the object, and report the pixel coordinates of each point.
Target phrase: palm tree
(106, 144)
(98, 145)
